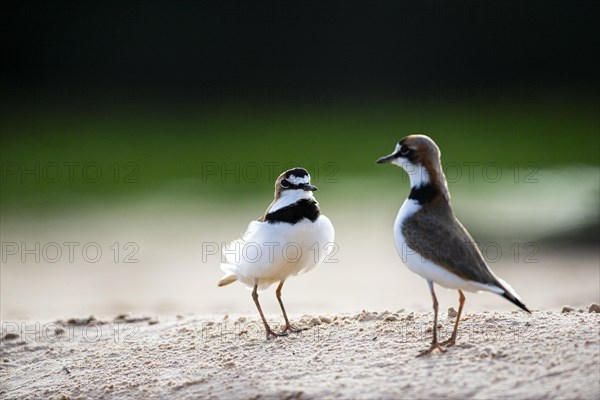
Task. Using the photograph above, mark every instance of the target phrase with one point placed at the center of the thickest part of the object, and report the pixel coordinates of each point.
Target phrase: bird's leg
(452, 340)
(434, 343)
(270, 333)
(288, 327)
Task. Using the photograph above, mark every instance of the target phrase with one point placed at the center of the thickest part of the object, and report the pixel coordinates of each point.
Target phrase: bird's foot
(450, 342)
(292, 329)
(434, 345)
(273, 335)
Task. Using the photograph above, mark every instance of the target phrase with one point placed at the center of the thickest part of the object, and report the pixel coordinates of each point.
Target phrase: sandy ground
(549, 354)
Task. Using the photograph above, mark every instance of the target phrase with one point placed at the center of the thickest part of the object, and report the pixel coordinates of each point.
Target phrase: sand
(366, 355)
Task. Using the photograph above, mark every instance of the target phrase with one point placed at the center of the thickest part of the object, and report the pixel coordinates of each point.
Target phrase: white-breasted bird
(291, 238)
(430, 240)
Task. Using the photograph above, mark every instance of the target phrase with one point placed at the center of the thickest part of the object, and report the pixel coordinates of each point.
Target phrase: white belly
(272, 252)
(422, 266)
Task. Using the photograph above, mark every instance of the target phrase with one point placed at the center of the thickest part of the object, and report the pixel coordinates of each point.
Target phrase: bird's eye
(404, 151)
(285, 184)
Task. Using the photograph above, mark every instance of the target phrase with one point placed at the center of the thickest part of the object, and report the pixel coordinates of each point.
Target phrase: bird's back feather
(437, 235)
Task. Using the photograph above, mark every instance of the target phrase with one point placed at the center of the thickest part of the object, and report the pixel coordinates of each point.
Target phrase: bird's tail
(227, 279)
(510, 295)
(515, 300)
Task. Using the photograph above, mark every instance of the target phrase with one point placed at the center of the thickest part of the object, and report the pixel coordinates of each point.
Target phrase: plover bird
(291, 238)
(430, 240)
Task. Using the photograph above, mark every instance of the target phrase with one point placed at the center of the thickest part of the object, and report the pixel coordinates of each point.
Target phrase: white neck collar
(418, 174)
(289, 197)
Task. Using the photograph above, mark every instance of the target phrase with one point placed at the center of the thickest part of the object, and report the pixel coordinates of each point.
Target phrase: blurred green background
(53, 161)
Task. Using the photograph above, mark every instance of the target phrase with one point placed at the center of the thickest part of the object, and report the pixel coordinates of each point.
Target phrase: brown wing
(436, 234)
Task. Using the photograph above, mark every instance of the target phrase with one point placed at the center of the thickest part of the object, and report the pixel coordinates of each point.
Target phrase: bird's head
(293, 181)
(419, 156)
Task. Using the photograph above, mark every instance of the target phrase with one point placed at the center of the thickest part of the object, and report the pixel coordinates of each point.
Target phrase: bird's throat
(425, 184)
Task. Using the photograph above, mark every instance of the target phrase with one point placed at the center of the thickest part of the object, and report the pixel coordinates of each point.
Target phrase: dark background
(113, 82)
(313, 51)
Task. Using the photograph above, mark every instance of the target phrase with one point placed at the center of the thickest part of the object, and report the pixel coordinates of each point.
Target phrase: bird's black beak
(386, 159)
(308, 187)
